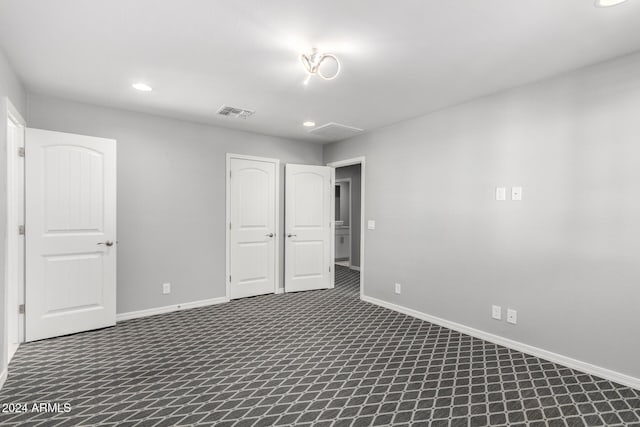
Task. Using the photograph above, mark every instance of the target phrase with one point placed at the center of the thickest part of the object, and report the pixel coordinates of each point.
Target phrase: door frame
(277, 257)
(348, 180)
(349, 162)
(14, 261)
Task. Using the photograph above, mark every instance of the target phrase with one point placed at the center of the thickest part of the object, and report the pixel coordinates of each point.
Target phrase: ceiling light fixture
(608, 3)
(142, 87)
(312, 62)
(309, 124)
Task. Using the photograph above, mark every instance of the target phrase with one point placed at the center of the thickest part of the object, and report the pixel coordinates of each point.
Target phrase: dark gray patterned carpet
(311, 358)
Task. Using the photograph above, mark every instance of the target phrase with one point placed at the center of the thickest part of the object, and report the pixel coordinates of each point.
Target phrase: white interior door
(253, 206)
(70, 233)
(308, 227)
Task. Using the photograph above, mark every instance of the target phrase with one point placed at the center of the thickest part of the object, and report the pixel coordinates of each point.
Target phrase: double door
(254, 258)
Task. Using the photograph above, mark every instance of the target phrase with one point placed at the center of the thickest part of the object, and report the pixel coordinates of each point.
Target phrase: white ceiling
(400, 58)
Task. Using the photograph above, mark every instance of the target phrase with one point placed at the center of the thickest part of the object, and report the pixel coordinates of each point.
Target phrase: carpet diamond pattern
(320, 358)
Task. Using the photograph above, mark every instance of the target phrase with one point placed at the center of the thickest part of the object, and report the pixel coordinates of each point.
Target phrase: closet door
(308, 227)
(252, 227)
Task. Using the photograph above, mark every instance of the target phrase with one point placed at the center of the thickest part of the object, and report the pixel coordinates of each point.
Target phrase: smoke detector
(236, 112)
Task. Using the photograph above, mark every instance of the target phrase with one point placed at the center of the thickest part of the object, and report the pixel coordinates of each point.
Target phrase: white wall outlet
(398, 288)
(166, 288)
(512, 316)
(501, 193)
(516, 193)
(496, 312)
(371, 224)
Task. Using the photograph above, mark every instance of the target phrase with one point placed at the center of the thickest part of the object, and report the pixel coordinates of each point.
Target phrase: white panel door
(70, 233)
(308, 227)
(252, 234)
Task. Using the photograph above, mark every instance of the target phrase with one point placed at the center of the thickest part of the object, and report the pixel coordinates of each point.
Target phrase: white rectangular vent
(335, 131)
(241, 113)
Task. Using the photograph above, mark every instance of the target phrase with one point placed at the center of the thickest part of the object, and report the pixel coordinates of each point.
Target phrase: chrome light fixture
(312, 62)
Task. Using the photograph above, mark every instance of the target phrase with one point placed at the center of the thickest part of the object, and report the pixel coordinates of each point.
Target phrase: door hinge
(21, 309)
(229, 278)
(329, 269)
(21, 151)
(21, 230)
(229, 226)
(229, 174)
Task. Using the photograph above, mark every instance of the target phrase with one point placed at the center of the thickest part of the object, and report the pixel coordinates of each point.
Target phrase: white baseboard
(3, 378)
(354, 267)
(170, 308)
(515, 345)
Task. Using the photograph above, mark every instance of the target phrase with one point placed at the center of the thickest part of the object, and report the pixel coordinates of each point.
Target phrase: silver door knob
(107, 243)
(291, 235)
(269, 235)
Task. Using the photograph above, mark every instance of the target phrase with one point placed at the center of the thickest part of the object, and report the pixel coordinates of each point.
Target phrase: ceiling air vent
(335, 131)
(236, 112)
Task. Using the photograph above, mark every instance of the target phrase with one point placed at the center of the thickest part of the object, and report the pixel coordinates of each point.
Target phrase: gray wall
(171, 195)
(353, 172)
(567, 257)
(10, 87)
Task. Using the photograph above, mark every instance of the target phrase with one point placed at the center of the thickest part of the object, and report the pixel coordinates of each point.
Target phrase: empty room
(320, 213)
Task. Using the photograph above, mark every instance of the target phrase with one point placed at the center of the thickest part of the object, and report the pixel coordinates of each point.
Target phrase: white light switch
(496, 312)
(512, 316)
(371, 224)
(516, 193)
(501, 193)
(398, 288)
(166, 288)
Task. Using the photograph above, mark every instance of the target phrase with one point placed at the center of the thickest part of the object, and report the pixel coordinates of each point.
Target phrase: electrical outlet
(496, 312)
(371, 224)
(398, 288)
(166, 288)
(512, 316)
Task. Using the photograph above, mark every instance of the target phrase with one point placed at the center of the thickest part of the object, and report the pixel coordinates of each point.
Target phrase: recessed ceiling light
(143, 87)
(309, 124)
(608, 3)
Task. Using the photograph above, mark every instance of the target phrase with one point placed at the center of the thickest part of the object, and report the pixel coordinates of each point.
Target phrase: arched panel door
(308, 228)
(70, 233)
(252, 227)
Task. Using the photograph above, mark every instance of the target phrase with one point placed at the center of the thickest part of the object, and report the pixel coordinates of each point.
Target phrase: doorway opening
(349, 216)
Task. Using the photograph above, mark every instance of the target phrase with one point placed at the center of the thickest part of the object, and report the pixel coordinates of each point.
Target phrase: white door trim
(350, 215)
(14, 261)
(277, 257)
(348, 162)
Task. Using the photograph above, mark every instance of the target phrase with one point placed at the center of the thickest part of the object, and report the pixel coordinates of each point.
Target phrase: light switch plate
(398, 288)
(501, 193)
(516, 193)
(496, 312)
(512, 316)
(166, 288)
(371, 224)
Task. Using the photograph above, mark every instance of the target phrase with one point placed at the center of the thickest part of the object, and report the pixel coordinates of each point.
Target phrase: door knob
(107, 243)
(269, 235)
(291, 235)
